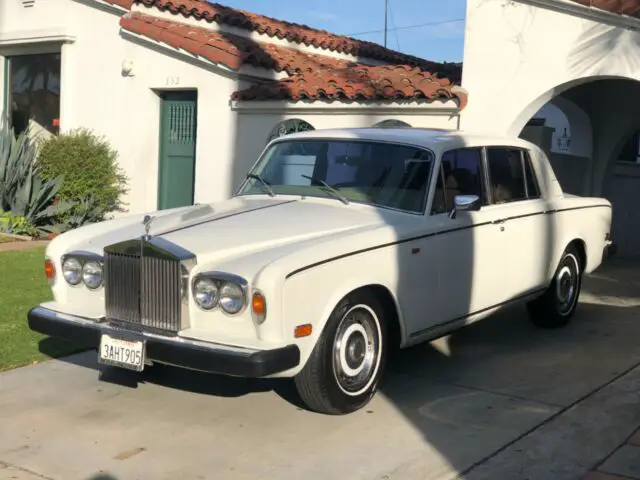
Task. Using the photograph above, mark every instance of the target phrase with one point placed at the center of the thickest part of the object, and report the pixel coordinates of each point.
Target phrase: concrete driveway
(499, 399)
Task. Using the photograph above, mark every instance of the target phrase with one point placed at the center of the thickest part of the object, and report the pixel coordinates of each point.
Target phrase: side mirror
(465, 203)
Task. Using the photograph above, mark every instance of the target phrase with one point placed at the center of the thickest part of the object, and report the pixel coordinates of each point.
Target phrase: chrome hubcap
(356, 350)
(566, 287)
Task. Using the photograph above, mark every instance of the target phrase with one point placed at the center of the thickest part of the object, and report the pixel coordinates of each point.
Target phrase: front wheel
(346, 364)
(557, 305)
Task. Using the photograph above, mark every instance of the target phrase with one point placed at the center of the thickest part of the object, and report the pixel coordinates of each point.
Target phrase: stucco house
(565, 74)
(190, 92)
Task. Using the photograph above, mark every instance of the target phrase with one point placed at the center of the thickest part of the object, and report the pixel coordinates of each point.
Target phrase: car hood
(239, 226)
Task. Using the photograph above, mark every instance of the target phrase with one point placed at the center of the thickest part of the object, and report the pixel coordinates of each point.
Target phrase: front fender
(310, 296)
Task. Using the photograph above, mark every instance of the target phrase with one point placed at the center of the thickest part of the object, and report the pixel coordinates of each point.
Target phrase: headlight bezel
(83, 258)
(221, 279)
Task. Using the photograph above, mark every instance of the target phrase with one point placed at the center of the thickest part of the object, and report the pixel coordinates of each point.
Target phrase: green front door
(177, 149)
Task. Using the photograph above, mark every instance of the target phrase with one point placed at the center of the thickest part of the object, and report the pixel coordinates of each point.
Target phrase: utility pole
(386, 12)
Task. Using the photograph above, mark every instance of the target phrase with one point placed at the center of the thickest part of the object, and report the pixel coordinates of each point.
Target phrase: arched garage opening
(588, 128)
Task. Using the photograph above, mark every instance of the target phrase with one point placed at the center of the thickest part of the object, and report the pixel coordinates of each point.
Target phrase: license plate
(122, 353)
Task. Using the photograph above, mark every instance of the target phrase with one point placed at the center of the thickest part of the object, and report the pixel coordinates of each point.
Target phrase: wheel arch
(319, 309)
(384, 295)
(581, 247)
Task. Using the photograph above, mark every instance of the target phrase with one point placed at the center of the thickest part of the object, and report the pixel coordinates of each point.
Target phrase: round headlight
(231, 297)
(205, 292)
(92, 275)
(72, 271)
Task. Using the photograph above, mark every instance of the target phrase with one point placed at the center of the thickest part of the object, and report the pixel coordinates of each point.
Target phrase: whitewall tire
(556, 306)
(346, 364)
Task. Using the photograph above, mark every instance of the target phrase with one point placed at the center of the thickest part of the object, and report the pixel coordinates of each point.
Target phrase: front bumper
(181, 352)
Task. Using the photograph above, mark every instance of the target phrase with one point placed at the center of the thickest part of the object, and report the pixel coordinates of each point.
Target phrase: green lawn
(22, 286)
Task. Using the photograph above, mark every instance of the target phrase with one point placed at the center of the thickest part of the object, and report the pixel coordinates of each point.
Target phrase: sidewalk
(622, 464)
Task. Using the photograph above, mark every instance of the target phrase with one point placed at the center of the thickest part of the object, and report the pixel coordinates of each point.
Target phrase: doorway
(177, 162)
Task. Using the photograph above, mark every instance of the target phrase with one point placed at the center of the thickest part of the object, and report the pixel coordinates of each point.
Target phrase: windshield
(375, 173)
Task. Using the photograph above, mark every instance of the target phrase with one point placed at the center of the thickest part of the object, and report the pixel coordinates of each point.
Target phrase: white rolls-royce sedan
(339, 246)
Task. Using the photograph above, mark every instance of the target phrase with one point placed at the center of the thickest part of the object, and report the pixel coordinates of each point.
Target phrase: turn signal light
(259, 307)
(303, 330)
(50, 270)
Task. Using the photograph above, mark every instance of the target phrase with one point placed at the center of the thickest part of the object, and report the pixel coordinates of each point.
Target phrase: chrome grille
(144, 286)
(160, 292)
(122, 287)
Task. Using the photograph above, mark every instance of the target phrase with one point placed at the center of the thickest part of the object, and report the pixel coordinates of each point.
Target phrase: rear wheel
(345, 367)
(556, 306)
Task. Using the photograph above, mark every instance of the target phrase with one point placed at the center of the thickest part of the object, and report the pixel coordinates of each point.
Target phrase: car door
(470, 246)
(528, 231)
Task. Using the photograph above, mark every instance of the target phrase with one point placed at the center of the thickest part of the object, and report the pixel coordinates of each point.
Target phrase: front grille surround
(146, 285)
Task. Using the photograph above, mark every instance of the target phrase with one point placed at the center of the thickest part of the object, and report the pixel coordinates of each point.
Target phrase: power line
(406, 27)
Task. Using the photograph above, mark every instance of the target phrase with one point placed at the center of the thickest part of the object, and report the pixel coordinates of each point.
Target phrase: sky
(441, 39)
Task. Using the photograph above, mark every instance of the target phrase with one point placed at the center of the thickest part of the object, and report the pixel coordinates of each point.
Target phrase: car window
(460, 174)
(506, 175)
(533, 191)
(376, 173)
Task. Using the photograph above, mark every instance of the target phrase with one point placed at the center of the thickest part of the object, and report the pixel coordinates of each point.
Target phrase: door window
(506, 175)
(460, 174)
(533, 191)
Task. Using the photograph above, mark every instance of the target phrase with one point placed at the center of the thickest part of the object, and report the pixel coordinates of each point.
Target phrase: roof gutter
(590, 13)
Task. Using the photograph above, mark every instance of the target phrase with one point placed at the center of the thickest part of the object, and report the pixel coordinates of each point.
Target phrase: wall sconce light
(127, 68)
(564, 142)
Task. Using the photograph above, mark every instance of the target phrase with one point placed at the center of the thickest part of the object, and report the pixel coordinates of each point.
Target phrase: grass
(6, 239)
(22, 286)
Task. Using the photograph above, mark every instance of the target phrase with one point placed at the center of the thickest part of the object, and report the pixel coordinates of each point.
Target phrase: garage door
(623, 194)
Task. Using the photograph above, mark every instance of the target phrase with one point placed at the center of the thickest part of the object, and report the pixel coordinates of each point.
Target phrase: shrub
(24, 195)
(16, 224)
(89, 167)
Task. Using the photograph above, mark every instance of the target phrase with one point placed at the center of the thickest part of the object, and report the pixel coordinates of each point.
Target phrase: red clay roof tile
(120, 3)
(311, 76)
(623, 7)
(388, 82)
(214, 12)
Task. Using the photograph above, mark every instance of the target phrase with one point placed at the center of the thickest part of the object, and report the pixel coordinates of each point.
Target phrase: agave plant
(86, 211)
(22, 191)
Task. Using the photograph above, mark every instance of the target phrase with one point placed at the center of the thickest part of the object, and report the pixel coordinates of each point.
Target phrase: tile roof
(293, 32)
(623, 7)
(358, 82)
(120, 3)
(311, 76)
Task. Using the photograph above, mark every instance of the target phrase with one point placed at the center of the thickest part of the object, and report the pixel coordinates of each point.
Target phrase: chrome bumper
(192, 354)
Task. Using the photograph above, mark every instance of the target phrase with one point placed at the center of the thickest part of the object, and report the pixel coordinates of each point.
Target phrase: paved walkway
(497, 400)
(622, 464)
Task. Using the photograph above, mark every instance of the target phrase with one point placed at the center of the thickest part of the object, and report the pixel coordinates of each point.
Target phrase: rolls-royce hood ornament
(146, 221)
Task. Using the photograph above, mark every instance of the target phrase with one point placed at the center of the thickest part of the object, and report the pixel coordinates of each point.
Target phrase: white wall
(517, 57)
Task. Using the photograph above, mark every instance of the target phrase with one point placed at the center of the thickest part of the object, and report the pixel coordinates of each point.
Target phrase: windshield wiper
(266, 184)
(338, 195)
